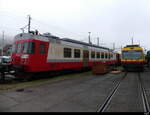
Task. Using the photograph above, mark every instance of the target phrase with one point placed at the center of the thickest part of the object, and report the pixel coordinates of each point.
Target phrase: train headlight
(25, 56)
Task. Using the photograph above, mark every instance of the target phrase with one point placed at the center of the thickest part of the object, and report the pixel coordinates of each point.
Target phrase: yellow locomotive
(132, 58)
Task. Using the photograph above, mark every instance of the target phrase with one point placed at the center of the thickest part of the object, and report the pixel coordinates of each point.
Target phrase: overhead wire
(58, 28)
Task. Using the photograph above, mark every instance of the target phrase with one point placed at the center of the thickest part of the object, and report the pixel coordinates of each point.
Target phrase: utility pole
(22, 30)
(113, 46)
(29, 23)
(98, 41)
(132, 40)
(89, 38)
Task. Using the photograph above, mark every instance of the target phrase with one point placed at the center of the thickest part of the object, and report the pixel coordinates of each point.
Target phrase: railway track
(144, 99)
(143, 95)
(104, 106)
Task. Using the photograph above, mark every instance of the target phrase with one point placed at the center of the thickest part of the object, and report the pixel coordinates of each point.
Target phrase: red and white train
(33, 52)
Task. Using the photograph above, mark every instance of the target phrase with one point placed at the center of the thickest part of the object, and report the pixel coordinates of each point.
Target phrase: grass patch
(15, 85)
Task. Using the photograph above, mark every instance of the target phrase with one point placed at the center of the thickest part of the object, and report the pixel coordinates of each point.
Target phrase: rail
(104, 106)
(143, 95)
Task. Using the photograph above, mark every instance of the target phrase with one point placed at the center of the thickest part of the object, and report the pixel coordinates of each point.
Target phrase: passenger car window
(67, 52)
(92, 54)
(106, 55)
(102, 55)
(76, 53)
(98, 54)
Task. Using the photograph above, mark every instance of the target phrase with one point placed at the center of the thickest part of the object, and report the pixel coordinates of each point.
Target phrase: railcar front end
(133, 58)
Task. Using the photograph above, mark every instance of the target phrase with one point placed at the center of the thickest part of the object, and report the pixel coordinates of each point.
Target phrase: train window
(28, 47)
(92, 54)
(25, 47)
(31, 47)
(18, 49)
(67, 52)
(98, 54)
(106, 55)
(76, 53)
(111, 55)
(132, 54)
(42, 49)
(102, 55)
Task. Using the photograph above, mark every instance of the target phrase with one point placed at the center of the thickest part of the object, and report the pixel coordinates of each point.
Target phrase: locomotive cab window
(132, 54)
(28, 47)
(42, 49)
(76, 53)
(67, 52)
(18, 48)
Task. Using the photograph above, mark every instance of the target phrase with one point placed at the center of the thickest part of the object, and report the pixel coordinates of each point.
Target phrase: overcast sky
(113, 21)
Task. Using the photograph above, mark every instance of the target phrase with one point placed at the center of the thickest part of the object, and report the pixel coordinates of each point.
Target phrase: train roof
(52, 38)
(83, 43)
(131, 46)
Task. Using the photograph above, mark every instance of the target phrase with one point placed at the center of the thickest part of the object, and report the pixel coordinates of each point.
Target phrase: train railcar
(133, 58)
(33, 52)
(147, 58)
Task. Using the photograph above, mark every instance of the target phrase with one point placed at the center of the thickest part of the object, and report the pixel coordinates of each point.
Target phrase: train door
(85, 58)
(42, 55)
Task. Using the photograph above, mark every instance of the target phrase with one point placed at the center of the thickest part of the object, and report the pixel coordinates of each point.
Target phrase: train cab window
(28, 47)
(76, 53)
(132, 54)
(18, 49)
(98, 54)
(102, 55)
(67, 52)
(25, 47)
(92, 54)
(42, 49)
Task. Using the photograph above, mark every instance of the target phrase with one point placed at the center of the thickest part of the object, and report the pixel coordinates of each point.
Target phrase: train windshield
(132, 54)
(28, 47)
(16, 48)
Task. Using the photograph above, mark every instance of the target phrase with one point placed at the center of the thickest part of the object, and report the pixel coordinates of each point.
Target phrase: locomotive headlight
(25, 56)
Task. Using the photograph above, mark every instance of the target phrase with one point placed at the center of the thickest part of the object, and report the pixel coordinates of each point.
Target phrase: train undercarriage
(20, 75)
(133, 67)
